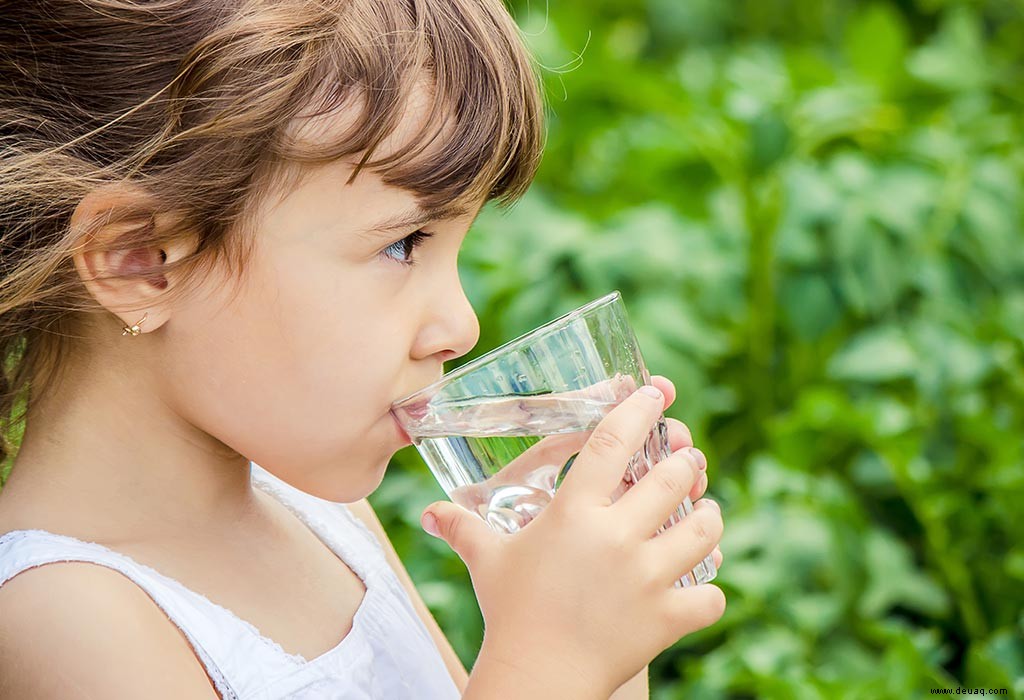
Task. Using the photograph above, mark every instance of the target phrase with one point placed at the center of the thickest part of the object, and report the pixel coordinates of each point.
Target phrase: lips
(401, 431)
(416, 410)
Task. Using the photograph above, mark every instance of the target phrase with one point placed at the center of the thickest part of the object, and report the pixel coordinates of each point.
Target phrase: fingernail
(698, 457)
(652, 391)
(429, 523)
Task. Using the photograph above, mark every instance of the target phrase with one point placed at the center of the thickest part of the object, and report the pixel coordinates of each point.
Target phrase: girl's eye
(405, 247)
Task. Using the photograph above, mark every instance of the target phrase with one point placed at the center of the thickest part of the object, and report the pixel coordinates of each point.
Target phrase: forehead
(441, 99)
(319, 200)
(420, 131)
(343, 118)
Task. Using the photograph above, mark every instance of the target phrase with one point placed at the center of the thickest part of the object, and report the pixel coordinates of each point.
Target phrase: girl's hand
(586, 590)
(551, 450)
(541, 464)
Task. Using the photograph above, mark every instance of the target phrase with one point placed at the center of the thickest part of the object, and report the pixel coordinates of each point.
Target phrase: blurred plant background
(813, 212)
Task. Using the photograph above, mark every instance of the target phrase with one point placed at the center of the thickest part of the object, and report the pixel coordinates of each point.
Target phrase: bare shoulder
(75, 629)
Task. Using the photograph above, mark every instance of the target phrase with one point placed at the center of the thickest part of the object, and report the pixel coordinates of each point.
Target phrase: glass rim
(539, 331)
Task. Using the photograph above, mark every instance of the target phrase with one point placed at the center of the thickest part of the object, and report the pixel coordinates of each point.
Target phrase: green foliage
(813, 212)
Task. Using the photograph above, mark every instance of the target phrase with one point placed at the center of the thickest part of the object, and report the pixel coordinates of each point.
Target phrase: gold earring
(135, 330)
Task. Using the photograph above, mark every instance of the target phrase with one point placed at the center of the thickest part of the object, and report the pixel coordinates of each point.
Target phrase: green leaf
(810, 305)
(876, 44)
(876, 355)
(770, 138)
(892, 579)
(998, 662)
(955, 59)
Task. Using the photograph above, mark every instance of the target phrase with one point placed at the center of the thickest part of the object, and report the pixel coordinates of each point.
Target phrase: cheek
(296, 373)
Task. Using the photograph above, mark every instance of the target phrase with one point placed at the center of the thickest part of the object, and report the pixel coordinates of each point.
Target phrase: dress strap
(241, 662)
(21, 550)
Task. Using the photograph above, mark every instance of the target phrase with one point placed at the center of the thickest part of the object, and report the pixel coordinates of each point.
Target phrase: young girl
(229, 239)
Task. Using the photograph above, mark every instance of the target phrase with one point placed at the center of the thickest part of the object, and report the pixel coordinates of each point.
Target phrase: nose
(453, 328)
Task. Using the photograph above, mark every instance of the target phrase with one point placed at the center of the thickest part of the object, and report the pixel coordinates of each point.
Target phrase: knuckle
(703, 529)
(671, 480)
(445, 524)
(618, 540)
(560, 512)
(710, 521)
(611, 536)
(652, 573)
(454, 533)
(450, 529)
(604, 441)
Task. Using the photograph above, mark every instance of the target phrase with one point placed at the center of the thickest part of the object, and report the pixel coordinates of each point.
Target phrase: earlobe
(118, 254)
(135, 328)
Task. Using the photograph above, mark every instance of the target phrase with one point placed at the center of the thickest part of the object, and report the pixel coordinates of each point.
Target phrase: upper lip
(418, 387)
(401, 428)
(416, 409)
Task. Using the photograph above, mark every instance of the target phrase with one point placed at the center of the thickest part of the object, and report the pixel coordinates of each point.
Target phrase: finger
(657, 495)
(695, 607)
(440, 416)
(557, 449)
(550, 451)
(678, 435)
(469, 535)
(717, 557)
(684, 545)
(598, 469)
(471, 495)
(699, 487)
(612, 390)
(667, 388)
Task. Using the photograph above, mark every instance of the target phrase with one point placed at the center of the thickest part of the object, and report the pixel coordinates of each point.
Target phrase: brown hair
(192, 100)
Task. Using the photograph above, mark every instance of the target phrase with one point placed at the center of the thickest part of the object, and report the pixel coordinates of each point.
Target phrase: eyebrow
(413, 219)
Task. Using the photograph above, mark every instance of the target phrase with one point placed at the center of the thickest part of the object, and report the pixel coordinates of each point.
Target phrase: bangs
(478, 135)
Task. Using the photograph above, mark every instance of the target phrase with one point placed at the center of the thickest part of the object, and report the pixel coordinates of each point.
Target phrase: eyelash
(414, 240)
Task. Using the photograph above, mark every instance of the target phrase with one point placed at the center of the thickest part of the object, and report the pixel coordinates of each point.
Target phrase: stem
(761, 223)
(939, 550)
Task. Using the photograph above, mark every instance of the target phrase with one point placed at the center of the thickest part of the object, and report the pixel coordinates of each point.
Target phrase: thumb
(464, 531)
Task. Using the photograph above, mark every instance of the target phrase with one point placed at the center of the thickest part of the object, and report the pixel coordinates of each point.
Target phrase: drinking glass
(500, 432)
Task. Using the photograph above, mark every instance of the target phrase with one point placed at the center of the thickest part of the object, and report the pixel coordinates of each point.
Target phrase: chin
(363, 487)
(360, 476)
(378, 474)
(346, 485)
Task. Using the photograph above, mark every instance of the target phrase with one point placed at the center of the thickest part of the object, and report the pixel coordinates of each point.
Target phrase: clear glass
(499, 433)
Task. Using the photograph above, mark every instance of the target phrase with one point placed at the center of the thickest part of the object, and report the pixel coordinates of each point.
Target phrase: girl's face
(336, 318)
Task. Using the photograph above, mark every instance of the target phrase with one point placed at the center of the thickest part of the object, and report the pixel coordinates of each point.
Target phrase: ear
(128, 281)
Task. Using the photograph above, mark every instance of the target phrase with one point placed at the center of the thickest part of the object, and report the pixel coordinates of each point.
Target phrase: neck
(107, 456)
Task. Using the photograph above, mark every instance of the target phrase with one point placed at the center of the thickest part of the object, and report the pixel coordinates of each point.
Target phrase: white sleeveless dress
(387, 654)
